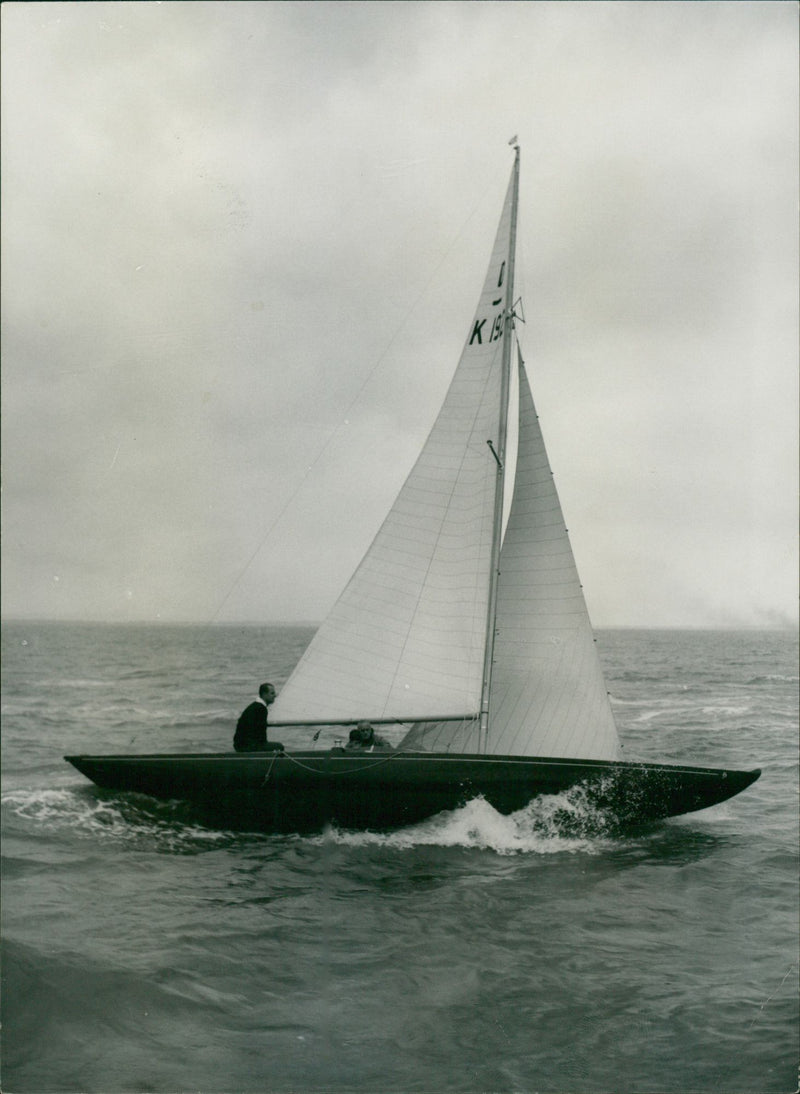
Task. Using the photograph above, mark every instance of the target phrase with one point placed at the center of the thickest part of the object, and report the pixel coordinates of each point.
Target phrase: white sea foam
(81, 812)
(75, 682)
(649, 715)
(728, 711)
(550, 824)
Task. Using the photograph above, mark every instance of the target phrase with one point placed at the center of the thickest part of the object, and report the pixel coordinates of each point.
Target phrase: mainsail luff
(502, 436)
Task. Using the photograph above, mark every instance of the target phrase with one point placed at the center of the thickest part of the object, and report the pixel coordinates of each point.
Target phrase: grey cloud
(242, 240)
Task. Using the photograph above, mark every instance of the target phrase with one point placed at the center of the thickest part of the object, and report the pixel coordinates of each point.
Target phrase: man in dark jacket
(251, 729)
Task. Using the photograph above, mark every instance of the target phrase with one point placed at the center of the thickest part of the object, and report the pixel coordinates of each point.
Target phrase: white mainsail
(406, 638)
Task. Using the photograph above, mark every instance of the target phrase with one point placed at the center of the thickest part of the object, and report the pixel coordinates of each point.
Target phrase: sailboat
(463, 623)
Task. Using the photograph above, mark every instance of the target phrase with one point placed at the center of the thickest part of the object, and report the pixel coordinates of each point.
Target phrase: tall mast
(505, 384)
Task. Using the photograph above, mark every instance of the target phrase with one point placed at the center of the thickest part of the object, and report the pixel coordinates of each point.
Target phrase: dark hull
(304, 791)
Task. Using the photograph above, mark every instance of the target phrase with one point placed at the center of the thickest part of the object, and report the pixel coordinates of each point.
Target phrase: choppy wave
(541, 950)
(75, 682)
(129, 818)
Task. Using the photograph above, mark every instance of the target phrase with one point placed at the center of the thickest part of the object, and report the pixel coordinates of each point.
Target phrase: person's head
(363, 732)
(267, 693)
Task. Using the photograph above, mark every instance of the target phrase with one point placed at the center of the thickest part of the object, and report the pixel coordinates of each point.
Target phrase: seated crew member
(251, 729)
(364, 739)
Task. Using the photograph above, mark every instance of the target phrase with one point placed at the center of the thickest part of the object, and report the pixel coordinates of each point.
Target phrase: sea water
(474, 952)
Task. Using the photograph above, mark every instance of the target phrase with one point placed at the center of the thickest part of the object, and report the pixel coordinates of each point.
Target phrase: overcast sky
(241, 243)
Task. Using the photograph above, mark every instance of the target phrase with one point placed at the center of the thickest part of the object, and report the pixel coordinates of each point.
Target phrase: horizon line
(83, 621)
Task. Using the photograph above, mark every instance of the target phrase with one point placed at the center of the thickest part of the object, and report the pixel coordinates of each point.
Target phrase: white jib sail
(548, 694)
(406, 638)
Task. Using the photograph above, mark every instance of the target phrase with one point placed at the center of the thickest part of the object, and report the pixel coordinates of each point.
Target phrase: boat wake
(550, 824)
(132, 819)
